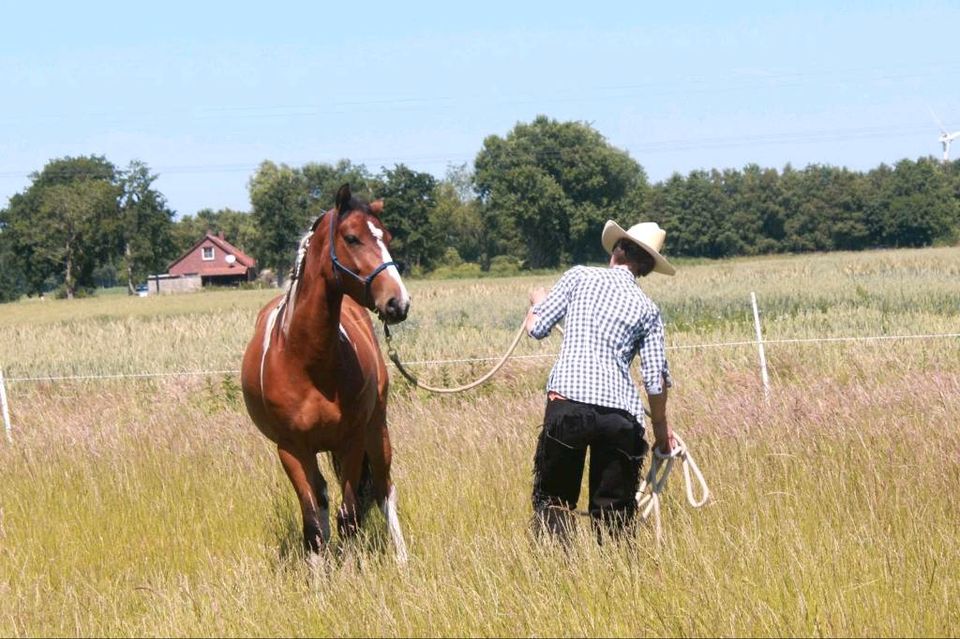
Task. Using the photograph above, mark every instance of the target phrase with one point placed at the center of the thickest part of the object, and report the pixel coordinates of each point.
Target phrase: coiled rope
(648, 494)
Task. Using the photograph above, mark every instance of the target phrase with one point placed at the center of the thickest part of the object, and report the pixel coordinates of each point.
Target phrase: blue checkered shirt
(608, 320)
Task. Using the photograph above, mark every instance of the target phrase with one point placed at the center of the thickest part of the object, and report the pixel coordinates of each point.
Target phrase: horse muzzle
(394, 311)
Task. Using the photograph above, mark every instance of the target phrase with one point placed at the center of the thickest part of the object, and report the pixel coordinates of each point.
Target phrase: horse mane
(293, 280)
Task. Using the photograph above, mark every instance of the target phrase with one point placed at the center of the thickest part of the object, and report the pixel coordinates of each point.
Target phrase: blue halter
(338, 266)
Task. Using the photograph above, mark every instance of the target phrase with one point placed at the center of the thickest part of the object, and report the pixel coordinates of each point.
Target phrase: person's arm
(549, 308)
(656, 380)
(662, 433)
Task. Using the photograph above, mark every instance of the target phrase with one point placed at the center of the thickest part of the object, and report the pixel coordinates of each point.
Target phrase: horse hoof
(318, 563)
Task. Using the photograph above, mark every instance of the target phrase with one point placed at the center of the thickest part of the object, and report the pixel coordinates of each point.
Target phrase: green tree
(71, 221)
(828, 211)
(62, 226)
(281, 211)
(457, 215)
(915, 204)
(750, 205)
(697, 216)
(409, 204)
(547, 188)
(13, 281)
(635, 206)
(145, 225)
(541, 215)
(323, 180)
(664, 205)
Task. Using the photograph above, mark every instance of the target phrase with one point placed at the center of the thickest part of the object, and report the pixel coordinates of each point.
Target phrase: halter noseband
(338, 266)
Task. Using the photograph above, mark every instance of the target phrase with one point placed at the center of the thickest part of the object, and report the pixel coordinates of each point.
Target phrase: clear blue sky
(203, 92)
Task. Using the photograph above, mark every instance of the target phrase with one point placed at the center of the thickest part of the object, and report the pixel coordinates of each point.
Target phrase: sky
(203, 92)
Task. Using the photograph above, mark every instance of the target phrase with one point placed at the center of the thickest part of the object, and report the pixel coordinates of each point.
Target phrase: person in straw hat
(592, 401)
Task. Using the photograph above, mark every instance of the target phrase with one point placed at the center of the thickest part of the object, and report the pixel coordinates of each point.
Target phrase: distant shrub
(461, 271)
(267, 278)
(413, 271)
(61, 292)
(451, 257)
(504, 266)
(500, 266)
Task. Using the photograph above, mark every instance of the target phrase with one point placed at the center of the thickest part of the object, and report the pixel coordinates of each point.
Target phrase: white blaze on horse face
(392, 270)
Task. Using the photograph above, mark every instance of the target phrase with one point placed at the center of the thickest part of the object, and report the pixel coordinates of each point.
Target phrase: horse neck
(314, 330)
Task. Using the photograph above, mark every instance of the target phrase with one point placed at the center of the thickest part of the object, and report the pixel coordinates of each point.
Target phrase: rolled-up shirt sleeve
(553, 308)
(653, 355)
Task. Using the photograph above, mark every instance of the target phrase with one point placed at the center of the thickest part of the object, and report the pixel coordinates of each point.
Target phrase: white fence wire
(759, 343)
(478, 360)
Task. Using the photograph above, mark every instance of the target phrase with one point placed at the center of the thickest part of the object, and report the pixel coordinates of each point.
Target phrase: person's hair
(630, 253)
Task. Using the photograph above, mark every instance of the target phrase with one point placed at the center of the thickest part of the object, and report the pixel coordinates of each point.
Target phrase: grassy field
(152, 506)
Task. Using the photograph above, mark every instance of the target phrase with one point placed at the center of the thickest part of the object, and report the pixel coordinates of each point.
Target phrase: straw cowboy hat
(647, 235)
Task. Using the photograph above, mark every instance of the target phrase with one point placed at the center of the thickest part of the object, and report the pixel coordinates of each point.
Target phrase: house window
(207, 253)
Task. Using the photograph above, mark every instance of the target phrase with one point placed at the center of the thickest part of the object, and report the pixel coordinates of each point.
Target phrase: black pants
(617, 448)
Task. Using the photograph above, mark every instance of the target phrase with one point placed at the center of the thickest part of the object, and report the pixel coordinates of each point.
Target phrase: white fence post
(4, 408)
(763, 357)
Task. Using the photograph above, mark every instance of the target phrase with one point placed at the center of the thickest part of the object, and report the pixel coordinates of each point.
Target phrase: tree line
(534, 198)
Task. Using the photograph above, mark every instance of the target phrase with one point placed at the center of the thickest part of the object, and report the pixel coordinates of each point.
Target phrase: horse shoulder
(359, 327)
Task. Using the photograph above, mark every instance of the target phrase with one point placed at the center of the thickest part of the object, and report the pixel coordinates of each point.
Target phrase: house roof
(229, 249)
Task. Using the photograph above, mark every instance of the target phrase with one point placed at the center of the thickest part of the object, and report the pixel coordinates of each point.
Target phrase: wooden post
(4, 408)
(763, 357)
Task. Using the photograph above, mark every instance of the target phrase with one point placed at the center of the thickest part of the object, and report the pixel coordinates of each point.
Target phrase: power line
(650, 148)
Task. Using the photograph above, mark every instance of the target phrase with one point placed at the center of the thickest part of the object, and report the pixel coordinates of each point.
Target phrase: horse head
(358, 246)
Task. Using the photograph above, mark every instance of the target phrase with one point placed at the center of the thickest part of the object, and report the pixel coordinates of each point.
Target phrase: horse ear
(376, 207)
(343, 198)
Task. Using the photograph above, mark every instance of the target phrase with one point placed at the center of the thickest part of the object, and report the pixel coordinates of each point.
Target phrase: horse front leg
(304, 473)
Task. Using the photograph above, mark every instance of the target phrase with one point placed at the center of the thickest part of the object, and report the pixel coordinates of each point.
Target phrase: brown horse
(313, 376)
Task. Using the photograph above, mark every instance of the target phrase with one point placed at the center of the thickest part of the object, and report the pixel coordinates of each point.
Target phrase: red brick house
(216, 261)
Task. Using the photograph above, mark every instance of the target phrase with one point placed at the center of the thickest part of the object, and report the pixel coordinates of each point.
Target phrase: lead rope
(395, 358)
(648, 493)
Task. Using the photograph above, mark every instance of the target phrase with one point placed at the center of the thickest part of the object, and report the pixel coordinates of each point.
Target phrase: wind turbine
(945, 138)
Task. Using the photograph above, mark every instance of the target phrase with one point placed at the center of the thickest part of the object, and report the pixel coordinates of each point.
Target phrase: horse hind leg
(302, 470)
(351, 468)
(365, 489)
(348, 520)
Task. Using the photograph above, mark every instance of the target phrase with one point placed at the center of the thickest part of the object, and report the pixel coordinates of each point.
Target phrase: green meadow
(135, 501)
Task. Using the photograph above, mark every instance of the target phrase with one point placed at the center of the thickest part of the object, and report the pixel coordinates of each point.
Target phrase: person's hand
(537, 295)
(665, 442)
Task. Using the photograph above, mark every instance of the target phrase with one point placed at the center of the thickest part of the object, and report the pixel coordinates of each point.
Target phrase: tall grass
(153, 507)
